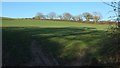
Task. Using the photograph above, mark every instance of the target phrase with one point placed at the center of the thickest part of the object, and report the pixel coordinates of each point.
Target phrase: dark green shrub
(109, 48)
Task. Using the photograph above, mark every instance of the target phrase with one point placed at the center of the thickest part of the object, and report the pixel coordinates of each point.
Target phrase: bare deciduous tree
(96, 16)
(39, 15)
(87, 16)
(67, 16)
(52, 15)
(78, 18)
(116, 9)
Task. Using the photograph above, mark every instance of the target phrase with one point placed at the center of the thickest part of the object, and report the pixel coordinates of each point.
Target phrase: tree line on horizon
(87, 16)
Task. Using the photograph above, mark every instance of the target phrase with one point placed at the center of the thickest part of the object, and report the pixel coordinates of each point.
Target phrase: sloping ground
(72, 44)
(48, 46)
(40, 57)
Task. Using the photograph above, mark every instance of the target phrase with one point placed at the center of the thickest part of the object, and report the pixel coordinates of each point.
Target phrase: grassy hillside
(47, 24)
(68, 41)
(6, 18)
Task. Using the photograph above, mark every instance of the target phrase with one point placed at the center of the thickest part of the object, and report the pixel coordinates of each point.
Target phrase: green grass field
(66, 40)
(49, 24)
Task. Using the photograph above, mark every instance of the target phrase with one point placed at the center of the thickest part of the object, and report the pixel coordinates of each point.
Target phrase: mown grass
(66, 40)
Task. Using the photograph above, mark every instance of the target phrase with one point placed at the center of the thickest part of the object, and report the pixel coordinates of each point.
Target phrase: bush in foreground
(109, 50)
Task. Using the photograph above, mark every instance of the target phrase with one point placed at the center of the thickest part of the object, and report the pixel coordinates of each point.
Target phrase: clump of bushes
(109, 48)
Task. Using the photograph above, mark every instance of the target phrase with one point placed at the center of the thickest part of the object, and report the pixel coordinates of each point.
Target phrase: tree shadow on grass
(15, 47)
(17, 41)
